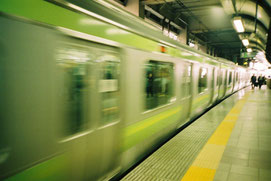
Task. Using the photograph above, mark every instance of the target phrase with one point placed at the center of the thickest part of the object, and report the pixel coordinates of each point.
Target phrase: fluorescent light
(237, 21)
(260, 66)
(245, 42)
(249, 50)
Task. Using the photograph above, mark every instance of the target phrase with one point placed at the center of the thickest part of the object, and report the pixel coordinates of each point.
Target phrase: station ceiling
(211, 21)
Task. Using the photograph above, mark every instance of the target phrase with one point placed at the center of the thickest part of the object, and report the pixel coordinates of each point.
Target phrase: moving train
(88, 90)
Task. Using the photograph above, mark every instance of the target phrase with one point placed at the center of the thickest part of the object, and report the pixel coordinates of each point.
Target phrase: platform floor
(230, 142)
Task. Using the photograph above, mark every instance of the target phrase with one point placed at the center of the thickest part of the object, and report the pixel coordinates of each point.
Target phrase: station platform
(232, 141)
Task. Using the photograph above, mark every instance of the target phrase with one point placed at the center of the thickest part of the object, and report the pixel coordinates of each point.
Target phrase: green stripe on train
(49, 13)
(54, 169)
(52, 14)
(199, 101)
(144, 129)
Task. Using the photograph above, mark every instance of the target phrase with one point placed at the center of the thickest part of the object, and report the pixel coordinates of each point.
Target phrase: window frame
(200, 90)
(186, 80)
(172, 75)
(90, 124)
(101, 94)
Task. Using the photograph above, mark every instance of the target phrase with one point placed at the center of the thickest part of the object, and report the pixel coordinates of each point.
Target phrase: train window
(159, 80)
(189, 70)
(202, 85)
(109, 88)
(73, 62)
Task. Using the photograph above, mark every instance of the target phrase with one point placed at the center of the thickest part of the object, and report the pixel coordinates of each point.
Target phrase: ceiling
(209, 22)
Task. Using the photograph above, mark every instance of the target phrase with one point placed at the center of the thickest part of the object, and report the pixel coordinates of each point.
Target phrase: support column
(203, 48)
(132, 6)
(182, 37)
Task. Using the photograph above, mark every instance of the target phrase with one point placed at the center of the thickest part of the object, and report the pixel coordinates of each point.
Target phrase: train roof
(136, 25)
(96, 17)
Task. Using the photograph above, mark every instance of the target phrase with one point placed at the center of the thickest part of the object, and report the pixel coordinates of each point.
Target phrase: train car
(86, 91)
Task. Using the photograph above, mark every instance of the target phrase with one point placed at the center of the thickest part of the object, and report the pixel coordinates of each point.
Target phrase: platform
(230, 142)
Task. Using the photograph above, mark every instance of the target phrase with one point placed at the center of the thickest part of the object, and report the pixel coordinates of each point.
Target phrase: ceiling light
(191, 44)
(237, 21)
(260, 66)
(245, 42)
(249, 50)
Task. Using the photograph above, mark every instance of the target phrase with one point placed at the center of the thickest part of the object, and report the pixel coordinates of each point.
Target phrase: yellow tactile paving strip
(204, 166)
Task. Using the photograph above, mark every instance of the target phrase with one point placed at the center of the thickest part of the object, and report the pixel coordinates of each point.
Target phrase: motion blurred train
(88, 90)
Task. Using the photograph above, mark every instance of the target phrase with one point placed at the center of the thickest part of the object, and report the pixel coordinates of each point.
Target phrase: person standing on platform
(264, 80)
(260, 81)
(150, 82)
(253, 81)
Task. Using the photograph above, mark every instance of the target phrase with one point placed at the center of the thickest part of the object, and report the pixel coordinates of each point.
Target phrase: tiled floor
(247, 154)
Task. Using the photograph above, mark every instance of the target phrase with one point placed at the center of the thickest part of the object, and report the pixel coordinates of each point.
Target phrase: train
(88, 90)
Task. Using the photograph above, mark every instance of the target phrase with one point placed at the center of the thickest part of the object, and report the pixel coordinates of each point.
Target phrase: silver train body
(81, 107)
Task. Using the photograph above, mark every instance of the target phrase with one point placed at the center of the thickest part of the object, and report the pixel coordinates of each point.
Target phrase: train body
(86, 92)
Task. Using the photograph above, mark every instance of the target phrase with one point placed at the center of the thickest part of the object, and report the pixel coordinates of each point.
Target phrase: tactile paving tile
(172, 160)
(247, 154)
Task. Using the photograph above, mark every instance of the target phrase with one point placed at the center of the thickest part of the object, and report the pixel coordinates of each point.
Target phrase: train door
(237, 80)
(201, 88)
(186, 91)
(229, 82)
(222, 82)
(226, 83)
(91, 94)
(29, 106)
(215, 83)
(108, 110)
(241, 79)
(219, 81)
(74, 62)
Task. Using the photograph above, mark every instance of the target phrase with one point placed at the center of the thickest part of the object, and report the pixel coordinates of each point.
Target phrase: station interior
(135, 90)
